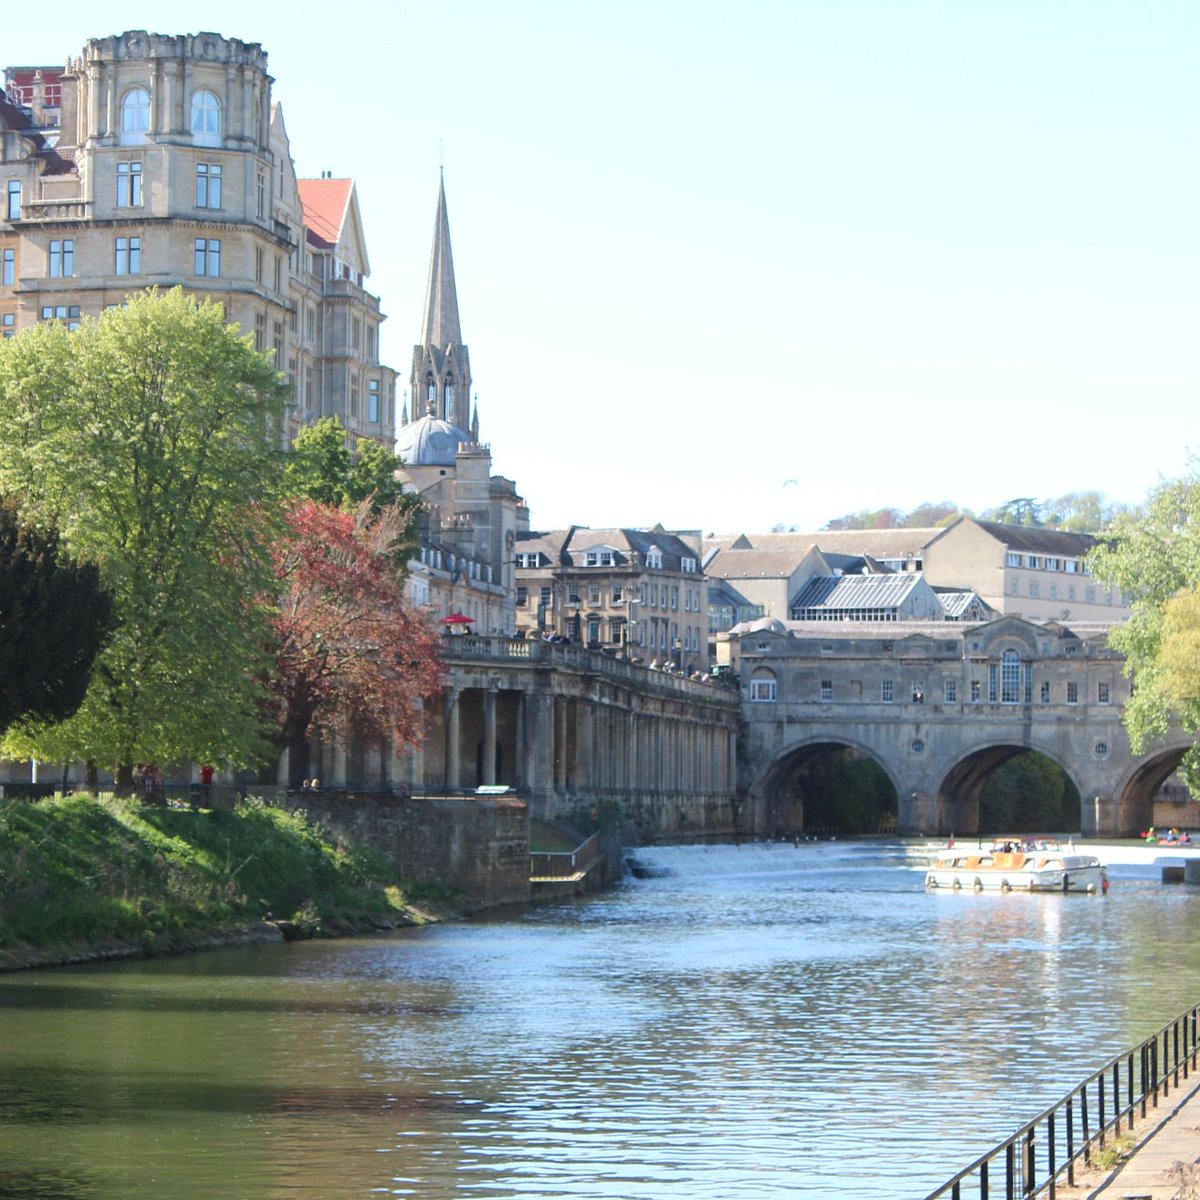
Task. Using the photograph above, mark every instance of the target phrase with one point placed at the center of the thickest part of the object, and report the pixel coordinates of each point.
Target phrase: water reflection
(773, 1021)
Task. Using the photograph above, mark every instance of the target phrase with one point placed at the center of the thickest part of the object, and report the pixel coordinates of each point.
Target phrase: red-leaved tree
(352, 658)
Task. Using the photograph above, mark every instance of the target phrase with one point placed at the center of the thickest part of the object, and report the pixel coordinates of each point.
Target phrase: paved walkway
(1167, 1138)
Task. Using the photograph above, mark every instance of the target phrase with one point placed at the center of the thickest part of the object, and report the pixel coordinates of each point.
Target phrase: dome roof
(429, 442)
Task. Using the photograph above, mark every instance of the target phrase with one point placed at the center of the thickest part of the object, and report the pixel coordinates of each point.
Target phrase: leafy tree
(1153, 555)
(149, 436)
(1029, 793)
(352, 658)
(323, 467)
(54, 617)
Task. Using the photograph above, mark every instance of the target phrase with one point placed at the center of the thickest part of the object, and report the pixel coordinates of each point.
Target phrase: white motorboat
(1013, 865)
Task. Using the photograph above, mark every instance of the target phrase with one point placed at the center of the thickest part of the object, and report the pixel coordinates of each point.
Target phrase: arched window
(135, 116)
(206, 119)
(762, 686)
(431, 395)
(449, 393)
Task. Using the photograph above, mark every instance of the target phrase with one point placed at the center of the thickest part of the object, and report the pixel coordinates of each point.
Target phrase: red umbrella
(458, 619)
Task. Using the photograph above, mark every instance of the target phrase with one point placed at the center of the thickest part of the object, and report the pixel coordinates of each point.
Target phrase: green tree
(54, 616)
(1029, 793)
(323, 467)
(1153, 555)
(149, 435)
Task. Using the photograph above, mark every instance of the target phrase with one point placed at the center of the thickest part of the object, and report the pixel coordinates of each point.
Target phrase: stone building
(1038, 574)
(472, 518)
(156, 161)
(638, 592)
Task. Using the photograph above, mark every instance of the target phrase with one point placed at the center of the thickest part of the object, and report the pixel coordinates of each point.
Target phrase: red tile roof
(325, 203)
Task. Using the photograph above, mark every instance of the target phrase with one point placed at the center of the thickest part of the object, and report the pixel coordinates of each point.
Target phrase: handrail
(1030, 1163)
(544, 864)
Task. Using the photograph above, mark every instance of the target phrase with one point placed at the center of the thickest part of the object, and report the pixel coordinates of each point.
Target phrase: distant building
(155, 161)
(1036, 574)
(636, 592)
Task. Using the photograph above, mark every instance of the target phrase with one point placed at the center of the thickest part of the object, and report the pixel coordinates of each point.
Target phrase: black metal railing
(1035, 1159)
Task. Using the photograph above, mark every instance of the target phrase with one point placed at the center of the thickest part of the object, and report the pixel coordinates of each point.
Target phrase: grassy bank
(82, 878)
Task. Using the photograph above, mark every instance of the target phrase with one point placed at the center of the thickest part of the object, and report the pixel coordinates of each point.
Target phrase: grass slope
(83, 878)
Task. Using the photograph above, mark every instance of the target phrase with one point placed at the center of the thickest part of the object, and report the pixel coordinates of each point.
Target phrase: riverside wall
(477, 846)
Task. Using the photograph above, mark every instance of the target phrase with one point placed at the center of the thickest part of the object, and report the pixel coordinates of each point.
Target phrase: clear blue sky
(897, 250)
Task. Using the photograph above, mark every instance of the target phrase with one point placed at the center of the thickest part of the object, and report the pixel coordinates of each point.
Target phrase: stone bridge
(939, 707)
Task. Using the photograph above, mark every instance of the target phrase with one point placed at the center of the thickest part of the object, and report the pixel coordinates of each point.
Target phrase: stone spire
(441, 374)
(441, 328)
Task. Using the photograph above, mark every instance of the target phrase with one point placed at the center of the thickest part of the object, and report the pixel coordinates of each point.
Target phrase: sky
(725, 266)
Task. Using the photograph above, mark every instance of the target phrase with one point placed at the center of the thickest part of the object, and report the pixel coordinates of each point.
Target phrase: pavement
(1162, 1161)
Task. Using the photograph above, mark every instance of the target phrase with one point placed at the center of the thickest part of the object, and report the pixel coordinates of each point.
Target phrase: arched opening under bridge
(1136, 800)
(1008, 789)
(829, 788)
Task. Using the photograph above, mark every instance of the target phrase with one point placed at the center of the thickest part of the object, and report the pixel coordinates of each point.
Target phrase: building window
(206, 119)
(135, 116)
(1012, 560)
(373, 401)
(1103, 693)
(762, 689)
(208, 258)
(976, 691)
(1045, 691)
(654, 559)
(522, 597)
(10, 266)
(593, 628)
(1010, 678)
(887, 691)
(62, 258)
(594, 595)
(129, 184)
(14, 200)
(1072, 693)
(8, 324)
(616, 631)
(1035, 588)
(62, 312)
(674, 598)
(208, 185)
(1101, 749)
(950, 691)
(128, 256)
(260, 204)
(826, 690)
(918, 692)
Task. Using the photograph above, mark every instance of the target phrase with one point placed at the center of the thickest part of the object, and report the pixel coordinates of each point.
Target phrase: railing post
(1100, 1101)
(1130, 1090)
(1175, 1040)
(1050, 1156)
(1145, 1056)
(1116, 1080)
(983, 1180)
(1085, 1128)
(1028, 1165)
(1071, 1140)
(1010, 1172)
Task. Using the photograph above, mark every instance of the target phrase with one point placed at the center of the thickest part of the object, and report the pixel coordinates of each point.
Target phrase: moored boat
(1011, 865)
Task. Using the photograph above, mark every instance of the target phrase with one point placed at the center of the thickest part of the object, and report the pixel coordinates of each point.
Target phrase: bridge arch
(1135, 790)
(960, 784)
(778, 790)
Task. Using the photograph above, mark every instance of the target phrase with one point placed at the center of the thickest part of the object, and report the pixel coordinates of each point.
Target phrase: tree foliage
(54, 617)
(352, 657)
(149, 436)
(1030, 793)
(1153, 555)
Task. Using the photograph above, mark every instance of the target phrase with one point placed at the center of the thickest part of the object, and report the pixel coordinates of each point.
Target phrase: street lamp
(630, 623)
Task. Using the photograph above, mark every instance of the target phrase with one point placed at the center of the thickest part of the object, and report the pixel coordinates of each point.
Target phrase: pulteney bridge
(939, 707)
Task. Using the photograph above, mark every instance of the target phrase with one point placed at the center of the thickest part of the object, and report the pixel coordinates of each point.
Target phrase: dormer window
(654, 558)
(135, 116)
(206, 119)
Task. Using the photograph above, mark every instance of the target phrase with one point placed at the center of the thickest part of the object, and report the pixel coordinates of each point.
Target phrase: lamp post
(630, 624)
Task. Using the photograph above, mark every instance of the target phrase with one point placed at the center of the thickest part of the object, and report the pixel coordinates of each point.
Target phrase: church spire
(441, 327)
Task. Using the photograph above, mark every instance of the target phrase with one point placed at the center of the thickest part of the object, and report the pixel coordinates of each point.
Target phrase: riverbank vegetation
(88, 878)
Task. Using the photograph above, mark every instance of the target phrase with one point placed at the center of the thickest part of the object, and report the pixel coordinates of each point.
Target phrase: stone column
(339, 764)
(489, 736)
(451, 772)
(560, 744)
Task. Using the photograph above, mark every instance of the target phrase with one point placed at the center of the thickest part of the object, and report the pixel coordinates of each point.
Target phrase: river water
(762, 1021)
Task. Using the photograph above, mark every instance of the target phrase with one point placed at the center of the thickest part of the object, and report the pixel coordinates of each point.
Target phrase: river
(760, 1021)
